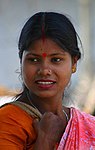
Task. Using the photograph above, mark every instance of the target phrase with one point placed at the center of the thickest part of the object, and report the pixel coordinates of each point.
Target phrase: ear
(74, 64)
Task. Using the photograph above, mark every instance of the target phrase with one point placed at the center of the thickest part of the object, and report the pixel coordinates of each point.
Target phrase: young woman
(37, 120)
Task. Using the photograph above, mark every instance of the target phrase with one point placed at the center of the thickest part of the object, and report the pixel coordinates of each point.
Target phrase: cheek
(65, 74)
(68, 72)
(65, 70)
(27, 73)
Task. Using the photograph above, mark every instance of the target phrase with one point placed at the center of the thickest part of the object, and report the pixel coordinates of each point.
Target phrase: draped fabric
(17, 132)
(79, 133)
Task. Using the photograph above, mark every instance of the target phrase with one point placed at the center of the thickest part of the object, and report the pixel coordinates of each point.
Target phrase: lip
(45, 84)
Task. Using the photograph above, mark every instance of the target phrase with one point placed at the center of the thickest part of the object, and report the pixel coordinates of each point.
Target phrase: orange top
(16, 130)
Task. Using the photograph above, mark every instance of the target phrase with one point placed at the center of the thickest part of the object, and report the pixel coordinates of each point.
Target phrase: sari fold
(79, 133)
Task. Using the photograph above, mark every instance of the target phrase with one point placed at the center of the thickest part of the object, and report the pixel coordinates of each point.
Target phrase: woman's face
(46, 69)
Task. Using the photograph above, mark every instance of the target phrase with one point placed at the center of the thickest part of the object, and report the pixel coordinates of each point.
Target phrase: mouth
(45, 84)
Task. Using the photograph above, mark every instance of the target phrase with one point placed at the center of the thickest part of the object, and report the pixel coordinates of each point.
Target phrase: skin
(56, 67)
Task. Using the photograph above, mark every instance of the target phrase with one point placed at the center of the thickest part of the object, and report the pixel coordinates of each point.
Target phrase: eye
(56, 59)
(34, 59)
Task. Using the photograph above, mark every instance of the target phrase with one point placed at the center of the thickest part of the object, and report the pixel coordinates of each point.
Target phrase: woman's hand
(49, 129)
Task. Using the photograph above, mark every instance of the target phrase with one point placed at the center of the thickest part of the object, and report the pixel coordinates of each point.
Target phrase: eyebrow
(54, 54)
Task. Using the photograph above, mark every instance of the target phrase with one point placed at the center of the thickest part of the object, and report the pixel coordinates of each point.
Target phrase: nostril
(44, 71)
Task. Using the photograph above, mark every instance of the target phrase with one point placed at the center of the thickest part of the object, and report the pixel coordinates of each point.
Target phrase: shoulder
(15, 114)
(14, 118)
(15, 126)
(84, 119)
(85, 127)
(83, 115)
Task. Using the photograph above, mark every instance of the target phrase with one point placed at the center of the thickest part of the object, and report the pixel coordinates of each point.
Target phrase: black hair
(57, 27)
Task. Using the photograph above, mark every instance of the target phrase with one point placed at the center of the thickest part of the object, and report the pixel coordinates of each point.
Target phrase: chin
(45, 95)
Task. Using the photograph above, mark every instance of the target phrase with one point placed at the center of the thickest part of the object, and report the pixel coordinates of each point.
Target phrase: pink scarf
(79, 133)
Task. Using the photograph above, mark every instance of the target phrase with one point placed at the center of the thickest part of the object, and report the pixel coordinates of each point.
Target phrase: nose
(44, 72)
(44, 69)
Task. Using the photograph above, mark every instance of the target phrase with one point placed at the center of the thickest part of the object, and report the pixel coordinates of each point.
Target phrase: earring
(73, 69)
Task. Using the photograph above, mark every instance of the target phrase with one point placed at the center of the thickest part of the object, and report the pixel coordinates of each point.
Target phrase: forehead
(48, 46)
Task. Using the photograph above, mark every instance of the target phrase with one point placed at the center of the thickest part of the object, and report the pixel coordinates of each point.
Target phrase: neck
(53, 105)
(45, 104)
